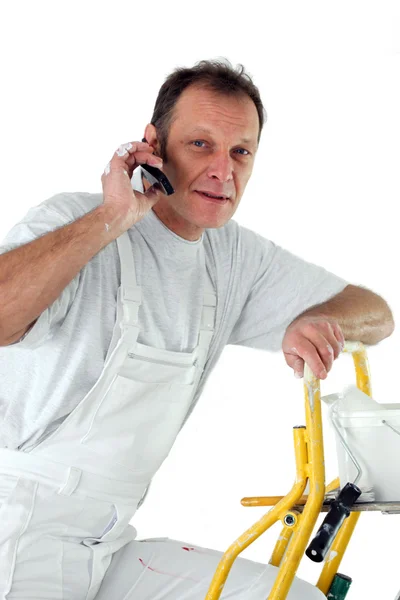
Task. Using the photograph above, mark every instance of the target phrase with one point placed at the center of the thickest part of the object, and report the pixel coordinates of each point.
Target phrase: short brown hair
(216, 75)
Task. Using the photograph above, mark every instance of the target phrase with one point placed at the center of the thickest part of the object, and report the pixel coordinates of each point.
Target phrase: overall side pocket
(16, 511)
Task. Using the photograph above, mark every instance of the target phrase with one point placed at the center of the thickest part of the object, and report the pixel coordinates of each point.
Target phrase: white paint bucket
(372, 432)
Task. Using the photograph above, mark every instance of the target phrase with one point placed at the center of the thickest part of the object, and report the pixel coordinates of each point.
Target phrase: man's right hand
(118, 193)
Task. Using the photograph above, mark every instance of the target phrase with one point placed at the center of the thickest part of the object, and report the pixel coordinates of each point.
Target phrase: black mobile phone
(154, 175)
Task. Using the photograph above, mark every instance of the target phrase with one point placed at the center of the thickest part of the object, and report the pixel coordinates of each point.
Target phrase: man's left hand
(317, 341)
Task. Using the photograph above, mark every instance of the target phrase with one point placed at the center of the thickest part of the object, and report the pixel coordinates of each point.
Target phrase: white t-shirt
(260, 289)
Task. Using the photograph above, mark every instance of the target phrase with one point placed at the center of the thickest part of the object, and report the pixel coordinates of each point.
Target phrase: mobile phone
(154, 175)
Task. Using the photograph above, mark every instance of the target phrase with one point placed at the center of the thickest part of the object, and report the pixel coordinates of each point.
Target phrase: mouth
(213, 197)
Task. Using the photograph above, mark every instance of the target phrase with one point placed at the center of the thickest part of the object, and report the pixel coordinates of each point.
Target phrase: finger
(131, 147)
(329, 348)
(125, 156)
(294, 361)
(320, 340)
(142, 158)
(298, 368)
(306, 350)
(152, 195)
(132, 161)
(328, 331)
(338, 333)
(155, 192)
(297, 363)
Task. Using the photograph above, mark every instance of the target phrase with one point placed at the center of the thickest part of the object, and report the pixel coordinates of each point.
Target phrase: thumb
(298, 368)
(296, 363)
(154, 193)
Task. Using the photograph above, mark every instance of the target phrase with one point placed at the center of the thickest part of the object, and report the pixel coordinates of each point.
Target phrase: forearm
(34, 275)
(361, 314)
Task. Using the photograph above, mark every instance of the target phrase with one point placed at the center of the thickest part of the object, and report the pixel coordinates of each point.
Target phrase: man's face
(211, 148)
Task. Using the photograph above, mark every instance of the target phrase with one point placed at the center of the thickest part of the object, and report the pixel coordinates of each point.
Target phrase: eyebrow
(205, 130)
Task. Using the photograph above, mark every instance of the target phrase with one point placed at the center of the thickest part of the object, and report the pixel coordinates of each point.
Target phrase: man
(114, 309)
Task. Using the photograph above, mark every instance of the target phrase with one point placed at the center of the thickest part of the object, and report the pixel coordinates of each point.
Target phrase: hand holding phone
(126, 205)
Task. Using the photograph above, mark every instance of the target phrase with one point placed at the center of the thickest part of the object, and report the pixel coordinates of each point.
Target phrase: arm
(317, 335)
(33, 275)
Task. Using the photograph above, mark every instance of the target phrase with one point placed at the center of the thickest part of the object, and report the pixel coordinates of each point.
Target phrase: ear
(150, 134)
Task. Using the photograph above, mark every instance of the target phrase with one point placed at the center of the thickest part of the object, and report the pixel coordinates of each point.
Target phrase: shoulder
(70, 205)
(54, 212)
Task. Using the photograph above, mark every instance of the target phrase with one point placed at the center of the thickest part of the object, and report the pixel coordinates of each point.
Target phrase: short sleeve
(37, 222)
(284, 286)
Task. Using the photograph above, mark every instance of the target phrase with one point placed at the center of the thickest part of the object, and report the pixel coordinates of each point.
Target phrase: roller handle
(338, 512)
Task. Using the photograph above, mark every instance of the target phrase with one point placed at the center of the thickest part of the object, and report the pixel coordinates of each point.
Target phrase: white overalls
(66, 503)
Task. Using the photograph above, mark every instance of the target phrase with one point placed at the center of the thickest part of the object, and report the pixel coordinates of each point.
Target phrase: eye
(198, 142)
(241, 151)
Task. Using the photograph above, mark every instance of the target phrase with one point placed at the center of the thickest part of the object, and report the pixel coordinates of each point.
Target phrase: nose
(221, 168)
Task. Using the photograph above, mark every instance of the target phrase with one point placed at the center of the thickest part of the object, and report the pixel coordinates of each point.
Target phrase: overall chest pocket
(157, 370)
(135, 423)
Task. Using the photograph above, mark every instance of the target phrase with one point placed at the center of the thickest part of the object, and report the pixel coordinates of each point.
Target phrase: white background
(79, 79)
